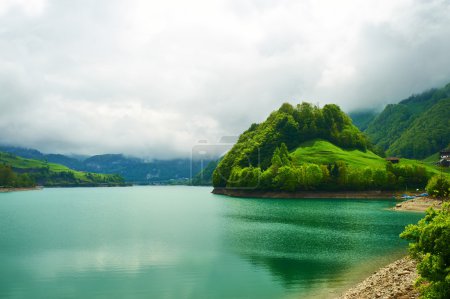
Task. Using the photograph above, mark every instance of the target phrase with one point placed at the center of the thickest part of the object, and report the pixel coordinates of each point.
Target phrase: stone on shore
(419, 204)
(393, 281)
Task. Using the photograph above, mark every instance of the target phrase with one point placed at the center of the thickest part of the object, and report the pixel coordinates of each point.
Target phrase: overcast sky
(150, 78)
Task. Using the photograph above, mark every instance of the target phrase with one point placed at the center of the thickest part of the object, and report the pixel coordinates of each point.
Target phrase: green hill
(308, 148)
(52, 174)
(414, 128)
(292, 126)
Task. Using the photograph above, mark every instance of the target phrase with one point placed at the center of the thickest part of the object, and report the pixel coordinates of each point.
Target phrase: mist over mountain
(132, 169)
(416, 127)
(151, 78)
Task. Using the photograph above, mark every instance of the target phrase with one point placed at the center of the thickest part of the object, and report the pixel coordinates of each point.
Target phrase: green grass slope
(324, 152)
(432, 158)
(52, 174)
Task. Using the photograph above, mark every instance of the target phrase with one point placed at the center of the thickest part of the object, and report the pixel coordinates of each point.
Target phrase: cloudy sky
(150, 78)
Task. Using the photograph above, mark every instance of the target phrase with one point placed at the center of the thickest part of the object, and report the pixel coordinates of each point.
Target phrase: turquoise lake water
(184, 242)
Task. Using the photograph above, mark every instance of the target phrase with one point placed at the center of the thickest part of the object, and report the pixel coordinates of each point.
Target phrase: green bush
(430, 246)
(439, 186)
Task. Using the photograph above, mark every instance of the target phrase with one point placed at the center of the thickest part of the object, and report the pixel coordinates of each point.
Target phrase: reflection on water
(183, 242)
(307, 242)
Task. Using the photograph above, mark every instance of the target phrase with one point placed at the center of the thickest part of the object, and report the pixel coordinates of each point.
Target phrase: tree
(438, 186)
(7, 176)
(313, 176)
(286, 179)
(430, 239)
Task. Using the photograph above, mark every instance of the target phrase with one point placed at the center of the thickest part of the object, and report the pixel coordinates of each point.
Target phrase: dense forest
(416, 127)
(429, 133)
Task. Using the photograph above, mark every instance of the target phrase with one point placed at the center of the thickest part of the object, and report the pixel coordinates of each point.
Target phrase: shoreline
(305, 194)
(418, 204)
(4, 190)
(394, 280)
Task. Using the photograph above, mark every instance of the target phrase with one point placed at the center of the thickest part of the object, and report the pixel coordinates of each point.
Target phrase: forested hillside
(291, 126)
(362, 119)
(132, 169)
(428, 133)
(25, 172)
(307, 148)
(414, 128)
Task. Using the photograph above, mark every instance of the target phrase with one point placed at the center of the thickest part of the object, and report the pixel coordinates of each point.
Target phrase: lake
(184, 242)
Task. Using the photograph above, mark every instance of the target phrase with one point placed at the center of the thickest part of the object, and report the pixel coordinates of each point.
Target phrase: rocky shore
(393, 281)
(419, 204)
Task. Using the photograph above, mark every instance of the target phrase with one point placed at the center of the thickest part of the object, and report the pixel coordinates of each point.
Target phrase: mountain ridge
(134, 170)
(396, 128)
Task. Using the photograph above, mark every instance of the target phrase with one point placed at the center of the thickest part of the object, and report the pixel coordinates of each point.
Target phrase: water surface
(184, 242)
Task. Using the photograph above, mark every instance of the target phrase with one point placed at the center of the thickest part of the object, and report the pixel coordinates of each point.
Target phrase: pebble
(393, 281)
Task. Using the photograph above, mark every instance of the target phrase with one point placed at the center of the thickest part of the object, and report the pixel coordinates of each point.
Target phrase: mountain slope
(52, 174)
(133, 170)
(398, 119)
(362, 119)
(427, 134)
(204, 177)
(323, 153)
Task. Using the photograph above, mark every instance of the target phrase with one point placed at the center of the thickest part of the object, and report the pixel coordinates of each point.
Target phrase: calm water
(184, 242)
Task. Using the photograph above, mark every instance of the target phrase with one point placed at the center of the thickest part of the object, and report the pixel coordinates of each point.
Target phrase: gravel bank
(419, 204)
(393, 281)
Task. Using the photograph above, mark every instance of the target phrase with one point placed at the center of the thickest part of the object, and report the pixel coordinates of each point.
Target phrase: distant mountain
(204, 176)
(22, 152)
(132, 169)
(52, 174)
(30, 153)
(416, 127)
(362, 119)
(427, 134)
(139, 171)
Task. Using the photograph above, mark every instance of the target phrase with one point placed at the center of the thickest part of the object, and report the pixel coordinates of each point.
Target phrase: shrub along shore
(18, 189)
(425, 272)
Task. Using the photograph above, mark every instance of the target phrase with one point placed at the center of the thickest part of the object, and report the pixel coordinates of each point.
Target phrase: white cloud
(151, 78)
(28, 7)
